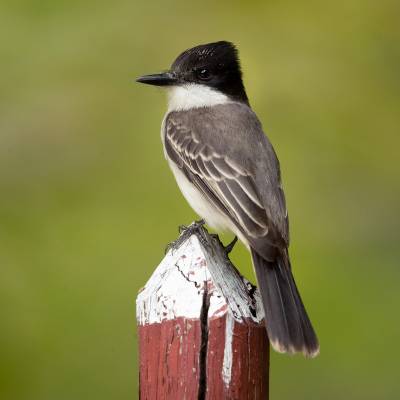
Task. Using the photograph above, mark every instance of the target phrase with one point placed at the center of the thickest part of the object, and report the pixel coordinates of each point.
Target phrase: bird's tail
(288, 326)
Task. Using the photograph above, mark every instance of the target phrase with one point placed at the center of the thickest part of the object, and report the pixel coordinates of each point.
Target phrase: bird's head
(214, 67)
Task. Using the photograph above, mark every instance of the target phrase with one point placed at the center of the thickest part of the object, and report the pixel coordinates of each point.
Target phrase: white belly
(199, 203)
(204, 208)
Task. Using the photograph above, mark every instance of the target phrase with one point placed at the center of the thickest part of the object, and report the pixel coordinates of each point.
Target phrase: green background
(87, 203)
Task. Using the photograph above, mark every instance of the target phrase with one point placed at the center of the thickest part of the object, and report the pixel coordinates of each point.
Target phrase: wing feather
(254, 212)
(223, 181)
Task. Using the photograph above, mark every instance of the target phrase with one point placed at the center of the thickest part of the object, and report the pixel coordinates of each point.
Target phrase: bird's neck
(193, 95)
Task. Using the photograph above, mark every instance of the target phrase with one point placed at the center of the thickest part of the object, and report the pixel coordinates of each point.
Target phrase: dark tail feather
(288, 326)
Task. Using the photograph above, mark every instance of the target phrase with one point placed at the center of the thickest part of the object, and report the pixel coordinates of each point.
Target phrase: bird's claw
(185, 232)
(192, 227)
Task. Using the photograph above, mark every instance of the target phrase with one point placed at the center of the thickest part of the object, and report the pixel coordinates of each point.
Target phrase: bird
(229, 173)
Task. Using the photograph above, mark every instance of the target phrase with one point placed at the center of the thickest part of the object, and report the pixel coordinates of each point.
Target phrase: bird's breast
(202, 206)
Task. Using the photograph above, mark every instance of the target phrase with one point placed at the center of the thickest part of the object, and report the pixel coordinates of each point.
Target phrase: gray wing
(234, 166)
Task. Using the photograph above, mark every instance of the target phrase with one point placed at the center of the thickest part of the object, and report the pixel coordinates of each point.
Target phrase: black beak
(163, 79)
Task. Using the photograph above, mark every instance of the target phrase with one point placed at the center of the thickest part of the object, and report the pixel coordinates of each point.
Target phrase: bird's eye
(203, 74)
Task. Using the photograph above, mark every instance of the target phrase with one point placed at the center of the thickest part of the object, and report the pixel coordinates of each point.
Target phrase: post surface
(200, 327)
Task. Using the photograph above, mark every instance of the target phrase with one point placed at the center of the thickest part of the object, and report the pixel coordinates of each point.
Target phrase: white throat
(193, 96)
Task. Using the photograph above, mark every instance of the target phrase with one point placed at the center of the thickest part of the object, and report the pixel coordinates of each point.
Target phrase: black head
(215, 65)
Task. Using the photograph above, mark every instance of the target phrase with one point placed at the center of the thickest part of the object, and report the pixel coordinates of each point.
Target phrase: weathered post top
(200, 326)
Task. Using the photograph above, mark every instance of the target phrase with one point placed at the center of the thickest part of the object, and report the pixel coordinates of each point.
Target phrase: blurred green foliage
(87, 203)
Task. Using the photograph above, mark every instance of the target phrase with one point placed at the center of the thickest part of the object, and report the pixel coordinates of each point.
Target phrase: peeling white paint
(228, 356)
(177, 285)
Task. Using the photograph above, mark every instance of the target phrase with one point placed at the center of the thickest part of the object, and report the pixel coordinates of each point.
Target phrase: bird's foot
(231, 245)
(192, 227)
(228, 248)
(185, 233)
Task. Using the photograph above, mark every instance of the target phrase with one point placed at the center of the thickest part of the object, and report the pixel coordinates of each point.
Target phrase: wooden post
(200, 327)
